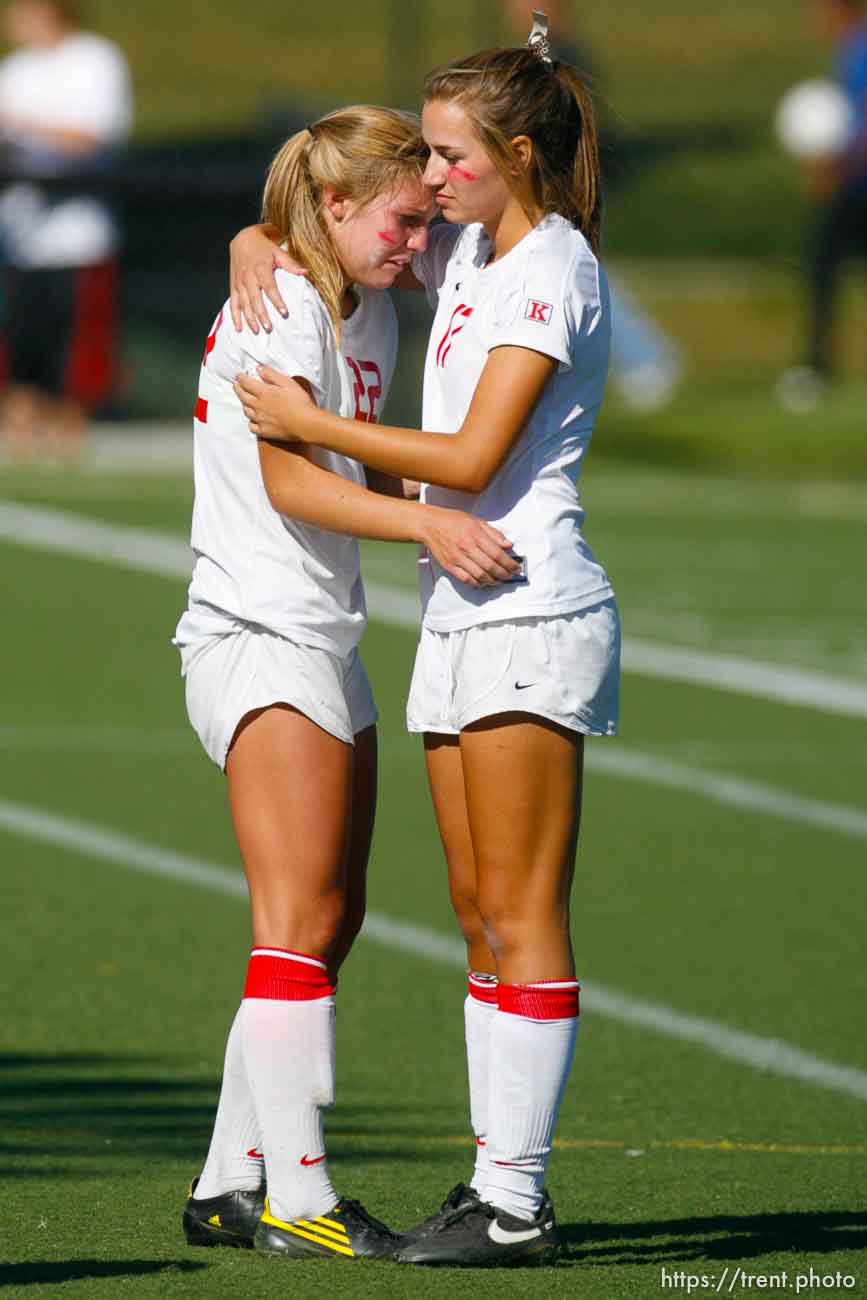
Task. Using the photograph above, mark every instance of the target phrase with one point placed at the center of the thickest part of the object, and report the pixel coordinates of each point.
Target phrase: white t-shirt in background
(253, 565)
(548, 294)
(80, 84)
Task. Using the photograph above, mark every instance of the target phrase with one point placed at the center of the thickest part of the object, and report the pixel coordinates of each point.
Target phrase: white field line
(617, 761)
(733, 791)
(160, 553)
(168, 556)
(766, 1054)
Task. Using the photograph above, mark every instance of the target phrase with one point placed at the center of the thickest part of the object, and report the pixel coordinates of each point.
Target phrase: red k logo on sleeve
(538, 311)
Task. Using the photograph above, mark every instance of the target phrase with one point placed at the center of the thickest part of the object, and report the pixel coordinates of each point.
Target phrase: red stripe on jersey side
(201, 411)
(547, 1000)
(211, 341)
(280, 979)
(482, 990)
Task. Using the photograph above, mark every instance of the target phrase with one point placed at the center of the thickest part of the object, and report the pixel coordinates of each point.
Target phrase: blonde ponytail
(359, 152)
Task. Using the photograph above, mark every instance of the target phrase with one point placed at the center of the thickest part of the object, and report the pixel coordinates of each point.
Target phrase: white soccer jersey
(254, 566)
(548, 294)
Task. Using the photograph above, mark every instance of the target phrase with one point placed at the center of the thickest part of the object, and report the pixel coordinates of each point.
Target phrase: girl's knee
(310, 925)
(468, 916)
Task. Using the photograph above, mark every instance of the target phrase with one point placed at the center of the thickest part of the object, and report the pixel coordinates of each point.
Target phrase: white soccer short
(564, 668)
(229, 676)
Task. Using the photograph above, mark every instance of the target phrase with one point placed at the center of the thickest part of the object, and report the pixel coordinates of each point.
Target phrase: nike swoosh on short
(503, 1237)
(523, 686)
(317, 1161)
(256, 1155)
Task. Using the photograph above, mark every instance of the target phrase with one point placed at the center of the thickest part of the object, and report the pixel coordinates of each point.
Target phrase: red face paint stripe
(462, 173)
(386, 237)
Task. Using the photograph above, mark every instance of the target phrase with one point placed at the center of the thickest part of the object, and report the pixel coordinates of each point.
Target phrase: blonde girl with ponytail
(508, 680)
(274, 685)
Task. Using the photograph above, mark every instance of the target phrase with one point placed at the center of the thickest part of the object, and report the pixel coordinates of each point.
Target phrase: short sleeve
(298, 343)
(430, 266)
(542, 307)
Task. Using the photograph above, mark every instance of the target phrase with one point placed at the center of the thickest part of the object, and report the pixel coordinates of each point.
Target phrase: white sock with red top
(287, 1018)
(235, 1161)
(480, 1009)
(531, 1048)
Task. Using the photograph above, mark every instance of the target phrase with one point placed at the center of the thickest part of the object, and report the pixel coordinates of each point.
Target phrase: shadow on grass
(98, 1107)
(47, 1272)
(84, 1115)
(723, 1238)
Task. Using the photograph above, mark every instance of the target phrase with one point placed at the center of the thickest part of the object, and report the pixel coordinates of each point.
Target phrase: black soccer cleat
(459, 1198)
(227, 1220)
(346, 1232)
(482, 1236)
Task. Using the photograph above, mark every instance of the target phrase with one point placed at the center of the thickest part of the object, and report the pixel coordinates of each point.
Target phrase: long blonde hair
(360, 152)
(512, 92)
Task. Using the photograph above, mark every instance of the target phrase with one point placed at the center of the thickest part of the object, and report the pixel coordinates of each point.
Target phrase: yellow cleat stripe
(330, 1223)
(316, 1233)
(316, 1226)
(320, 1241)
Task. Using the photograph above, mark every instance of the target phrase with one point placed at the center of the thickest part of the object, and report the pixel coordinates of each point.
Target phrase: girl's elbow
(276, 498)
(475, 479)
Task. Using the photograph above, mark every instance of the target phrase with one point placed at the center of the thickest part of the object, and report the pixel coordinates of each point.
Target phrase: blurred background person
(65, 113)
(646, 364)
(836, 176)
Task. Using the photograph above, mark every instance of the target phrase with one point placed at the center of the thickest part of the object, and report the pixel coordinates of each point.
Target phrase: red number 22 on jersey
(366, 388)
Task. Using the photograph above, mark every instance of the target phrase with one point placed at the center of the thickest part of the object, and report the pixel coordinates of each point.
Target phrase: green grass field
(701, 899)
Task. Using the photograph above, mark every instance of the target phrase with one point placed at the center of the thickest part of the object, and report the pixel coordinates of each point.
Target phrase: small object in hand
(520, 574)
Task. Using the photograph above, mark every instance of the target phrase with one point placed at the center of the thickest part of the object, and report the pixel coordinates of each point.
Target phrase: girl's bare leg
(523, 780)
(364, 787)
(446, 777)
(290, 791)
(508, 797)
(445, 771)
(24, 412)
(233, 1162)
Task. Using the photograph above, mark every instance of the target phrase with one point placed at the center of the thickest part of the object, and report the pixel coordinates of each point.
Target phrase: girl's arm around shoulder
(254, 256)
